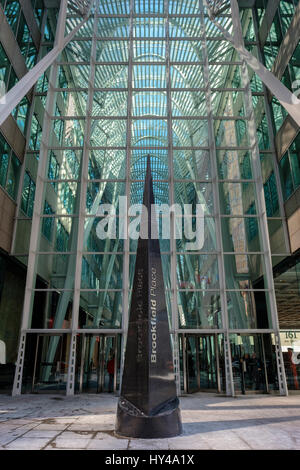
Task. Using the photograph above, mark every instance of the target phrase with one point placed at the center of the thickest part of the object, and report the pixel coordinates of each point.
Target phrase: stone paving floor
(54, 422)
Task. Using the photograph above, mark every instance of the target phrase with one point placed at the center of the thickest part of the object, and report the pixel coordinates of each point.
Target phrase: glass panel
(4, 159)
(46, 363)
(187, 103)
(78, 51)
(190, 133)
(13, 176)
(21, 113)
(109, 104)
(104, 193)
(161, 191)
(185, 51)
(203, 242)
(234, 164)
(248, 310)
(186, 27)
(237, 198)
(240, 235)
(253, 364)
(52, 309)
(199, 309)
(92, 241)
(244, 271)
(295, 161)
(62, 196)
(286, 176)
(149, 76)
(228, 103)
(102, 271)
(100, 309)
(57, 268)
(197, 271)
(159, 164)
(221, 51)
(277, 237)
(108, 133)
(192, 164)
(195, 193)
(107, 164)
(165, 258)
(150, 51)
(192, 364)
(116, 27)
(96, 368)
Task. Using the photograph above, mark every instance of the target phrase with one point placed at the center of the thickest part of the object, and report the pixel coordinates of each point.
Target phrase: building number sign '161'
(291, 335)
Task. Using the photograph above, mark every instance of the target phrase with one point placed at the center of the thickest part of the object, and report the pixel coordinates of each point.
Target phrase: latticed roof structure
(149, 85)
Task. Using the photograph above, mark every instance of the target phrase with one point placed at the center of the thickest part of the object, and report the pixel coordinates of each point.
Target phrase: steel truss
(285, 97)
(11, 99)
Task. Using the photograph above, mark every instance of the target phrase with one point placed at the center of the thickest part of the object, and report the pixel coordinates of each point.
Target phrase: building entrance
(97, 363)
(200, 355)
(253, 363)
(97, 370)
(50, 363)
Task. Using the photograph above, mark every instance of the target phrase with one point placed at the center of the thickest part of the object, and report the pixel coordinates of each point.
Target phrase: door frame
(43, 335)
(101, 357)
(185, 364)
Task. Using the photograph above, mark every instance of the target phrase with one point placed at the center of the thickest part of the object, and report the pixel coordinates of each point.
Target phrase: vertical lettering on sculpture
(139, 310)
(153, 308)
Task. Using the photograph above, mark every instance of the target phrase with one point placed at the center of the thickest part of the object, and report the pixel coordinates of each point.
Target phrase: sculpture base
(164, 424)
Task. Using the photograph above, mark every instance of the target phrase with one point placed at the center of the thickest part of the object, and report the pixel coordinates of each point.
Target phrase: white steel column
(82, 187)
(217, 211)
(38, 203)
(261, 205)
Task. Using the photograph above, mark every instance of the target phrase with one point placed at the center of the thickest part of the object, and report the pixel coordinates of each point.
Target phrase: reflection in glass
(197, 271)
(248, 309)
(199, 309)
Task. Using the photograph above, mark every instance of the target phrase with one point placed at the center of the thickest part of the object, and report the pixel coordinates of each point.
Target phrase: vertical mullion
(173, 277)
(217, 212)
(82, 187)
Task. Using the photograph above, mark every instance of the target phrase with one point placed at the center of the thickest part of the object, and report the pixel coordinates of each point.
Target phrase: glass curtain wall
(146, 78)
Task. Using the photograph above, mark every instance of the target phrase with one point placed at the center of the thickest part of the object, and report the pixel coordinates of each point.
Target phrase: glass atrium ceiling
(149, 68)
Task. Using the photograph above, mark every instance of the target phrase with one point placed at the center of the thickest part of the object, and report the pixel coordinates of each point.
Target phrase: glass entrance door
(252, 363)
(97, 371)
(201, 363)
(50, 364)
(207, 363)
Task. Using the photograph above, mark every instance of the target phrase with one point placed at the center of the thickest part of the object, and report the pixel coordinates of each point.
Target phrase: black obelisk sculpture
(148, 405)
